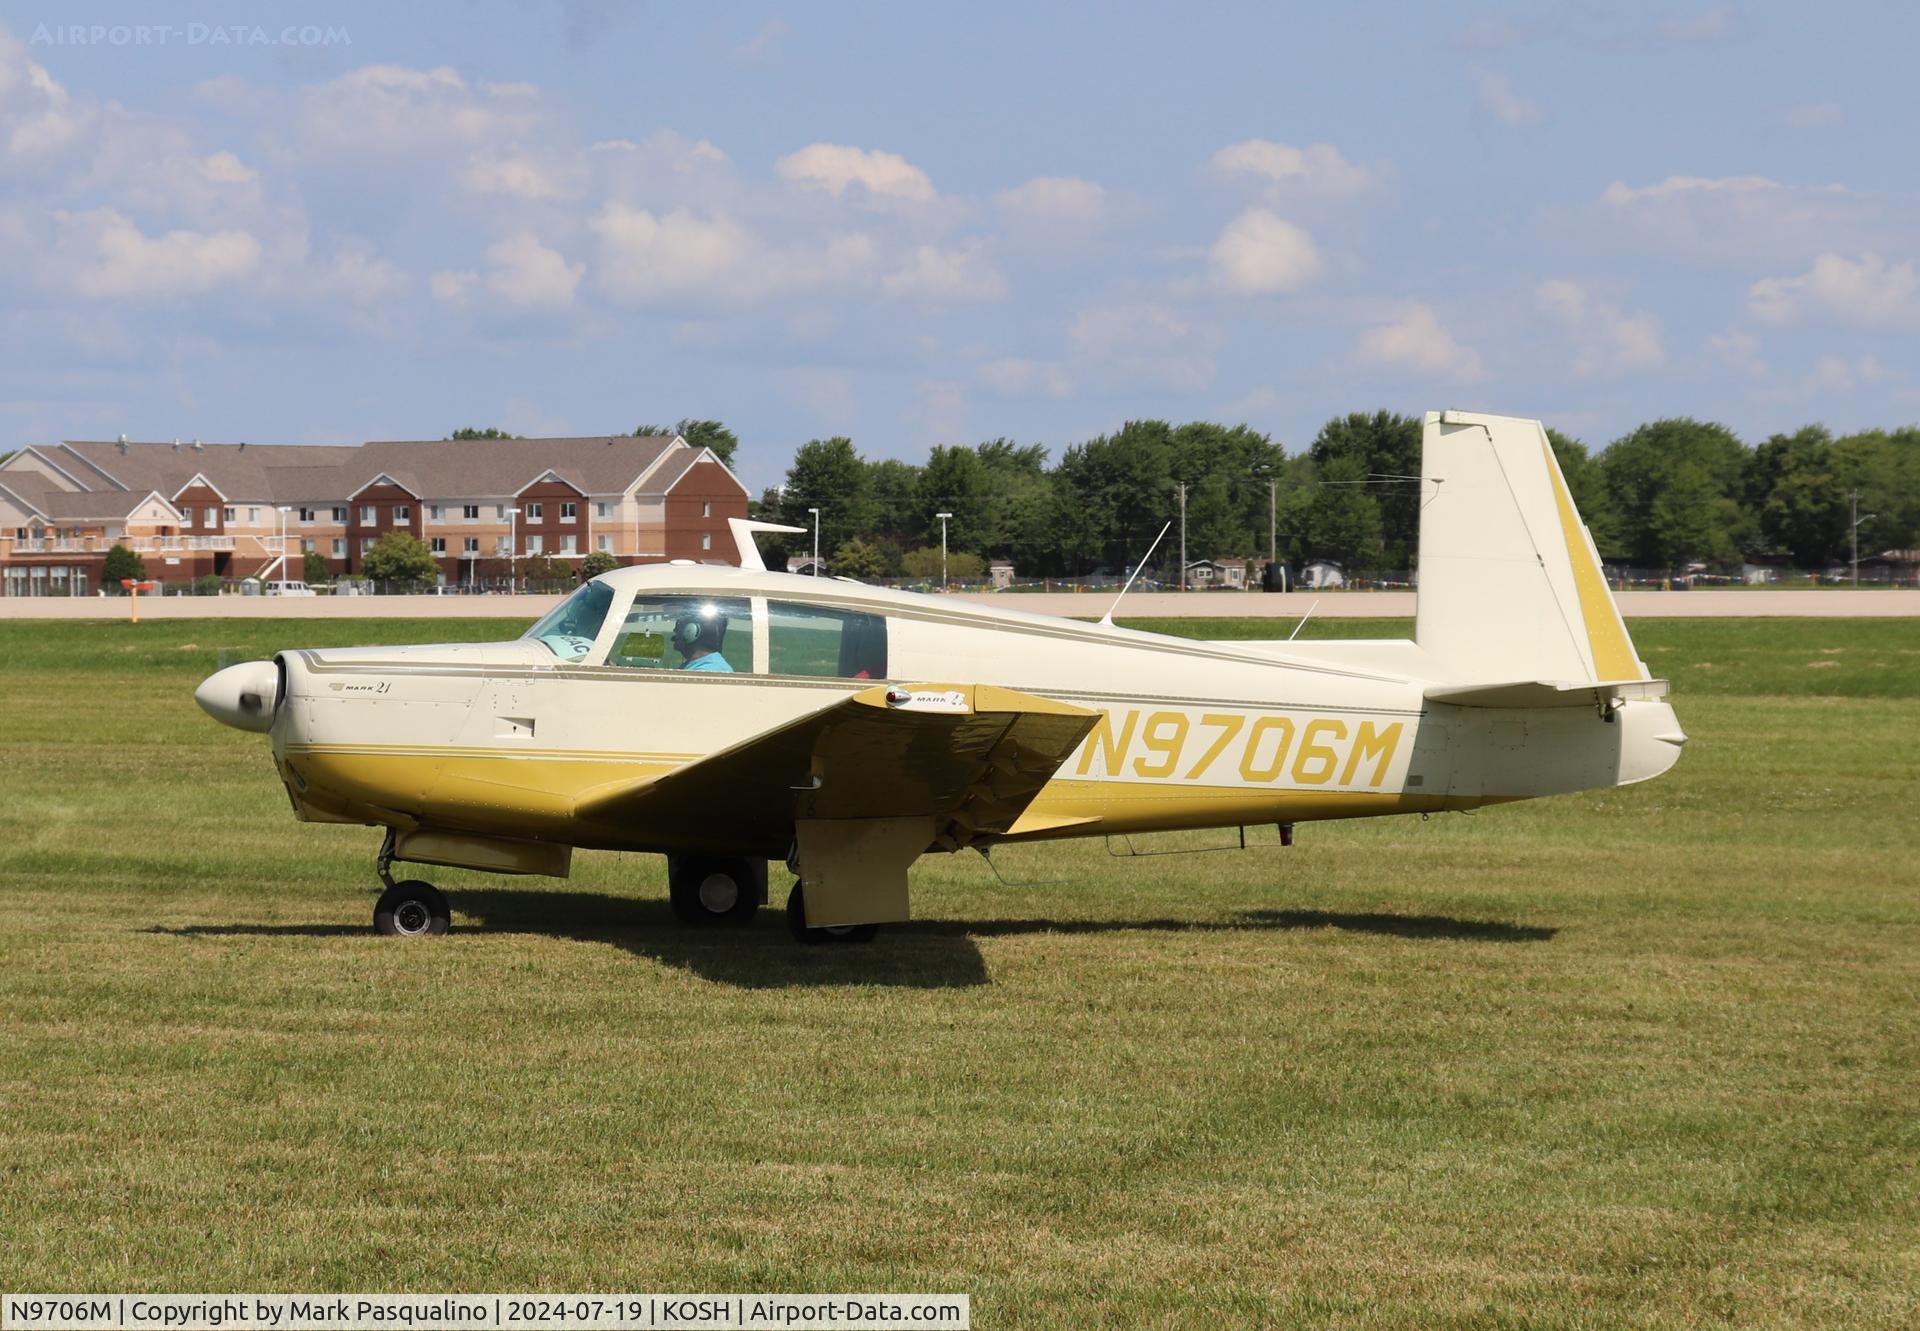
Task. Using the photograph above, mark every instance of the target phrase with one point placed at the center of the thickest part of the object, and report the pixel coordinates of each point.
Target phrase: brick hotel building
(229, 509)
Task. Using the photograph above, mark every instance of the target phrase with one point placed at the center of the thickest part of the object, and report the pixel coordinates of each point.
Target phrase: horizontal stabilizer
(1548, 692)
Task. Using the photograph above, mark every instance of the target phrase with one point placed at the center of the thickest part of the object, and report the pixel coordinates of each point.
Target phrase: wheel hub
(412, 917)
(719, 893)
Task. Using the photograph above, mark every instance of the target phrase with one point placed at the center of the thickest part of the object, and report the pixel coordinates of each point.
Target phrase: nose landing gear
(407, 909)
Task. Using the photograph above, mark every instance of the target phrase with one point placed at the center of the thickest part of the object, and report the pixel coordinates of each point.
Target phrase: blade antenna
(1303, 620)
(1106, 620)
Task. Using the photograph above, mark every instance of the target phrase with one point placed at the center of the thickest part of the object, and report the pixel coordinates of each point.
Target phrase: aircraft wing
(967, 757)
(1548, 693)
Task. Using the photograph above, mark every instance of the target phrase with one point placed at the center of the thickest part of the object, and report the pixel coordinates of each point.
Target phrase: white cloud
(1739, 350)
(1728, 217)
(1260, 254)
(452, 286)
(40, 116)
(1609, 341)
(1715, 25)
(834, 167)
(112, 258)
(1814, 115)
(524, 272)
(1493, 94)
(1013, 376)
(1055, 199)
(645, 258)
(1417, 341)
(363, 278)
(1867, 290)
(519, 175)
(1317, 168)
(764, 46)
(393, 111)
(947, 277)
(1145, 342)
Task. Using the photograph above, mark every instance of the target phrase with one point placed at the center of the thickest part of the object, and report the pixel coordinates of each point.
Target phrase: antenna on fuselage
(1303, 621)
(1106, 620)
(743, 530)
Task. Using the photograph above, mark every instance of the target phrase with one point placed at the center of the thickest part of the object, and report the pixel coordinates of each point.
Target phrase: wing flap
(969, 757)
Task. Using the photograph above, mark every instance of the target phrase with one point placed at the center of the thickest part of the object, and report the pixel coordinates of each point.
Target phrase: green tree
(402, 559)
(857, 559)
(469, 432)
(313, 568)
(121, 563)
(955, 481)
(1884, 466)
(1641, 467)
(1790, 487)
(597, 563)
(829, 475)
(893, 499)
(962, 565)
(1386, 446)
(1341, 521)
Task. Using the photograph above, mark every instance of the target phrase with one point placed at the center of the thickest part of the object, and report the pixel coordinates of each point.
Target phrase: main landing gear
(833, 933)
(409, 909)
(715, 889)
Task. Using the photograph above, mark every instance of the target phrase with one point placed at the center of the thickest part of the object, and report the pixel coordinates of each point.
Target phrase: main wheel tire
(712, 889)
(837, 933)
(411, 909)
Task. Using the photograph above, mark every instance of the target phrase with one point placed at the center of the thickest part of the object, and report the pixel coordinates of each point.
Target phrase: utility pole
(816, 541)
(1273, 520)
(943, 548)
(513, 551)
(1183, 535)
(1853, 531)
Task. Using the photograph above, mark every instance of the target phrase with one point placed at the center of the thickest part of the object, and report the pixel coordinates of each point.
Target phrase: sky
(324, 223)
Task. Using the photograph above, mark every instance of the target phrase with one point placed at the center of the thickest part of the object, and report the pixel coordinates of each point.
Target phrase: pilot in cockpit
(697, 634)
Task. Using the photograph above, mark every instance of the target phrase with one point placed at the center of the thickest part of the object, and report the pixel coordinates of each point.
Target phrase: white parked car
(289, 589)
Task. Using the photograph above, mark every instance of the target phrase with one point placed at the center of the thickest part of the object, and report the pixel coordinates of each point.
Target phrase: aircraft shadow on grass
(921, 954)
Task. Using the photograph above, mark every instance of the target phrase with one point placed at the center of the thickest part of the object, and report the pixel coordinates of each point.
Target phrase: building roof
(502, 468)
(55, 504)
(240, 472)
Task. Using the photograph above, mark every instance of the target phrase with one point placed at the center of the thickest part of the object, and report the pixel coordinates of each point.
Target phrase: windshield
(569, 629)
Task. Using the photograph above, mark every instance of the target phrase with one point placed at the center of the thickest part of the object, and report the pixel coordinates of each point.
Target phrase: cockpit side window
(569, 628)
(814, 640)
(713, 634)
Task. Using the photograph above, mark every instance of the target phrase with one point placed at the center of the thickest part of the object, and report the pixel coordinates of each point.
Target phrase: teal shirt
(711, 661)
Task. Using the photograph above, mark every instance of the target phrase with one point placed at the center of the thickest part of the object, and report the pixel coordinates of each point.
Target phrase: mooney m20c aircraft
(730, 716)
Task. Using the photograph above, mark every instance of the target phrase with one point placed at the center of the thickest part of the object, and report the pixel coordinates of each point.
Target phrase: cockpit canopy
(667, 630)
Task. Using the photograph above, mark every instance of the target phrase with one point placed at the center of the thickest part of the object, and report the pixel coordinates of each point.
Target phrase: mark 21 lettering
(1173, 745)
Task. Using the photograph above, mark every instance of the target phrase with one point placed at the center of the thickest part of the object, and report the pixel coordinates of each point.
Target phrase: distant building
(1322, 574)
(1217, 574)
(1000, 575)
(234, 509)
(807, 564)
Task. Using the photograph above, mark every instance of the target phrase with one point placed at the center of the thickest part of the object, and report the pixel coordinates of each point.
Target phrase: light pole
(284, 510)
(943, 548)
(513, 551)
(1183, 535)
(1853, 530)
(816, 541)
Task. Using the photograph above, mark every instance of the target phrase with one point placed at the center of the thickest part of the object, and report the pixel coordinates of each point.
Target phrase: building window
(471, 512)
(340, 515)
(367, 518)
(500, 512)
(567, 545)
(471, 545)
(339, 547)
(253, 515)
(401, 513)
(306, 517)
(308, 544)
(535, 545)
(366, 545)
(605, 543)
(439, 545)
(706, 509)
(226, 515)
(568, 512)
(602, 509)
(503, 545)
(535, 512)
(436, 512)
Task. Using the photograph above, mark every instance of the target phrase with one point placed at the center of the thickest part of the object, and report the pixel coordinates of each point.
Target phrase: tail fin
(1510, 583)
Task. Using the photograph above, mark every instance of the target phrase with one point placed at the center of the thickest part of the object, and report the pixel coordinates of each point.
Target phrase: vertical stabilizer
(1510, 584)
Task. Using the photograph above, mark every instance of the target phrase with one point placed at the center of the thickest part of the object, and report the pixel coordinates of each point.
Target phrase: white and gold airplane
(728, 717)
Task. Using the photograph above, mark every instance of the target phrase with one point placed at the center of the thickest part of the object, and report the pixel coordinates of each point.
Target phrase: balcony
(173, 545)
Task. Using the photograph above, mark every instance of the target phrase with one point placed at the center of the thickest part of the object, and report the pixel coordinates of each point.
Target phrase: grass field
(1639, 1058)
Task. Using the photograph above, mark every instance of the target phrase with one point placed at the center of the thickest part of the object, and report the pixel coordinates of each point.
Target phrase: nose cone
(241, 696)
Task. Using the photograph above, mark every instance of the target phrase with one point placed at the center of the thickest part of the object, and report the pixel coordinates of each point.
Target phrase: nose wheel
(411, 909)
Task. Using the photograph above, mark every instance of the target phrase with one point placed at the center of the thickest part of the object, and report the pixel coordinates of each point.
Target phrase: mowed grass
(1638, 1058)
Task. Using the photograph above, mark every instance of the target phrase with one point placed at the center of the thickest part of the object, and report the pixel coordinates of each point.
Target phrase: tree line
(1666, 495)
